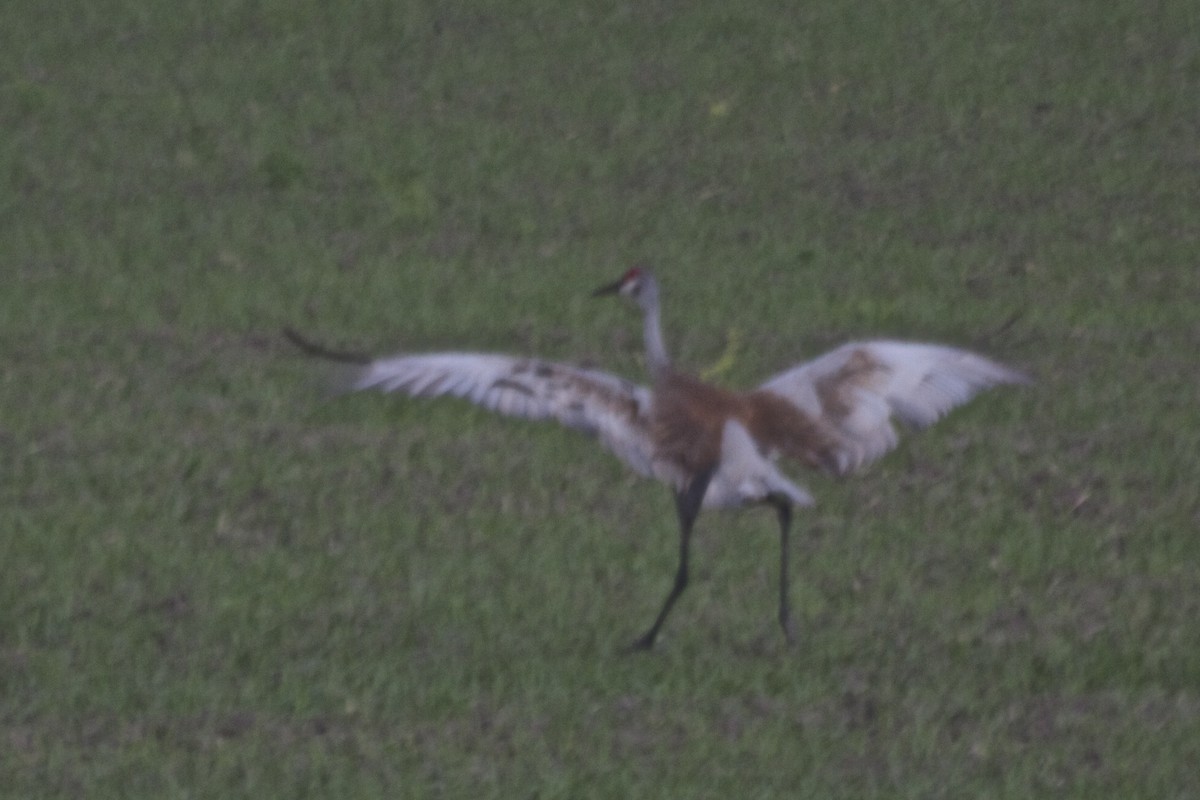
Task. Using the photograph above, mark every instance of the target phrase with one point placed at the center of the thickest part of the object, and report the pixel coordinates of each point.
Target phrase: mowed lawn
(216, 583)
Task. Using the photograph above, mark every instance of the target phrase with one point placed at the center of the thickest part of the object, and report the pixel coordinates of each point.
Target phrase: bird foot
(643, 644)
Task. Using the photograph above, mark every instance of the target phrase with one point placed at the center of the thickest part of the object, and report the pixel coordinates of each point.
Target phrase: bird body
(714, 447)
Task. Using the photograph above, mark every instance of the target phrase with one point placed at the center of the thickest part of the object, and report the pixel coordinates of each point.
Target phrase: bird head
(637, 284)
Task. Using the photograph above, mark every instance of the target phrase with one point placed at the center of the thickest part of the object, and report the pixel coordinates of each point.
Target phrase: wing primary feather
(857, 388)
(319, 350)
(590, 401)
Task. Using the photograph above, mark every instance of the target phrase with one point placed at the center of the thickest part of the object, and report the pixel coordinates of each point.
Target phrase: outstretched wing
(596, 403)
(859, 387)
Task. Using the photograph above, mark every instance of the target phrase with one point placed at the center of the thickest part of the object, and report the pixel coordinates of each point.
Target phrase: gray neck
(656, 350)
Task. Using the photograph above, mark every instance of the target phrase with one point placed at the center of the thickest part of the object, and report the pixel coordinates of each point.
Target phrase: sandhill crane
(714, 447)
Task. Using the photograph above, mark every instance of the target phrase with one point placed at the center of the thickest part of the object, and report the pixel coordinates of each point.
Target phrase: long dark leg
(687, 505)
(784, 509)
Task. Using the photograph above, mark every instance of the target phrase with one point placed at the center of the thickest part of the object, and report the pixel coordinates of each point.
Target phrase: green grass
(214, 585)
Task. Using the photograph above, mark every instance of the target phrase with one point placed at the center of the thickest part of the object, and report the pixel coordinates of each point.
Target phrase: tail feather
(747, 476)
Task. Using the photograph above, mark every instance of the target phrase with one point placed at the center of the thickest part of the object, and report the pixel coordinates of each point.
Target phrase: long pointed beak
(607, 289)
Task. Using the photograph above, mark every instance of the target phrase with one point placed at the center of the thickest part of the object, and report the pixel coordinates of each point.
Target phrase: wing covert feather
(596, 403)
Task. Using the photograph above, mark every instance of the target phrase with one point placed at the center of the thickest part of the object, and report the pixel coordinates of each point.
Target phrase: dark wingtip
(318, 350)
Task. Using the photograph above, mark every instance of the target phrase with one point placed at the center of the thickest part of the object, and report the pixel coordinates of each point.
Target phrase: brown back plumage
(777, 424)
(689, 415)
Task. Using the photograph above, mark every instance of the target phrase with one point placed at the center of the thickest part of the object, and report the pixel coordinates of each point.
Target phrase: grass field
(214, 584)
